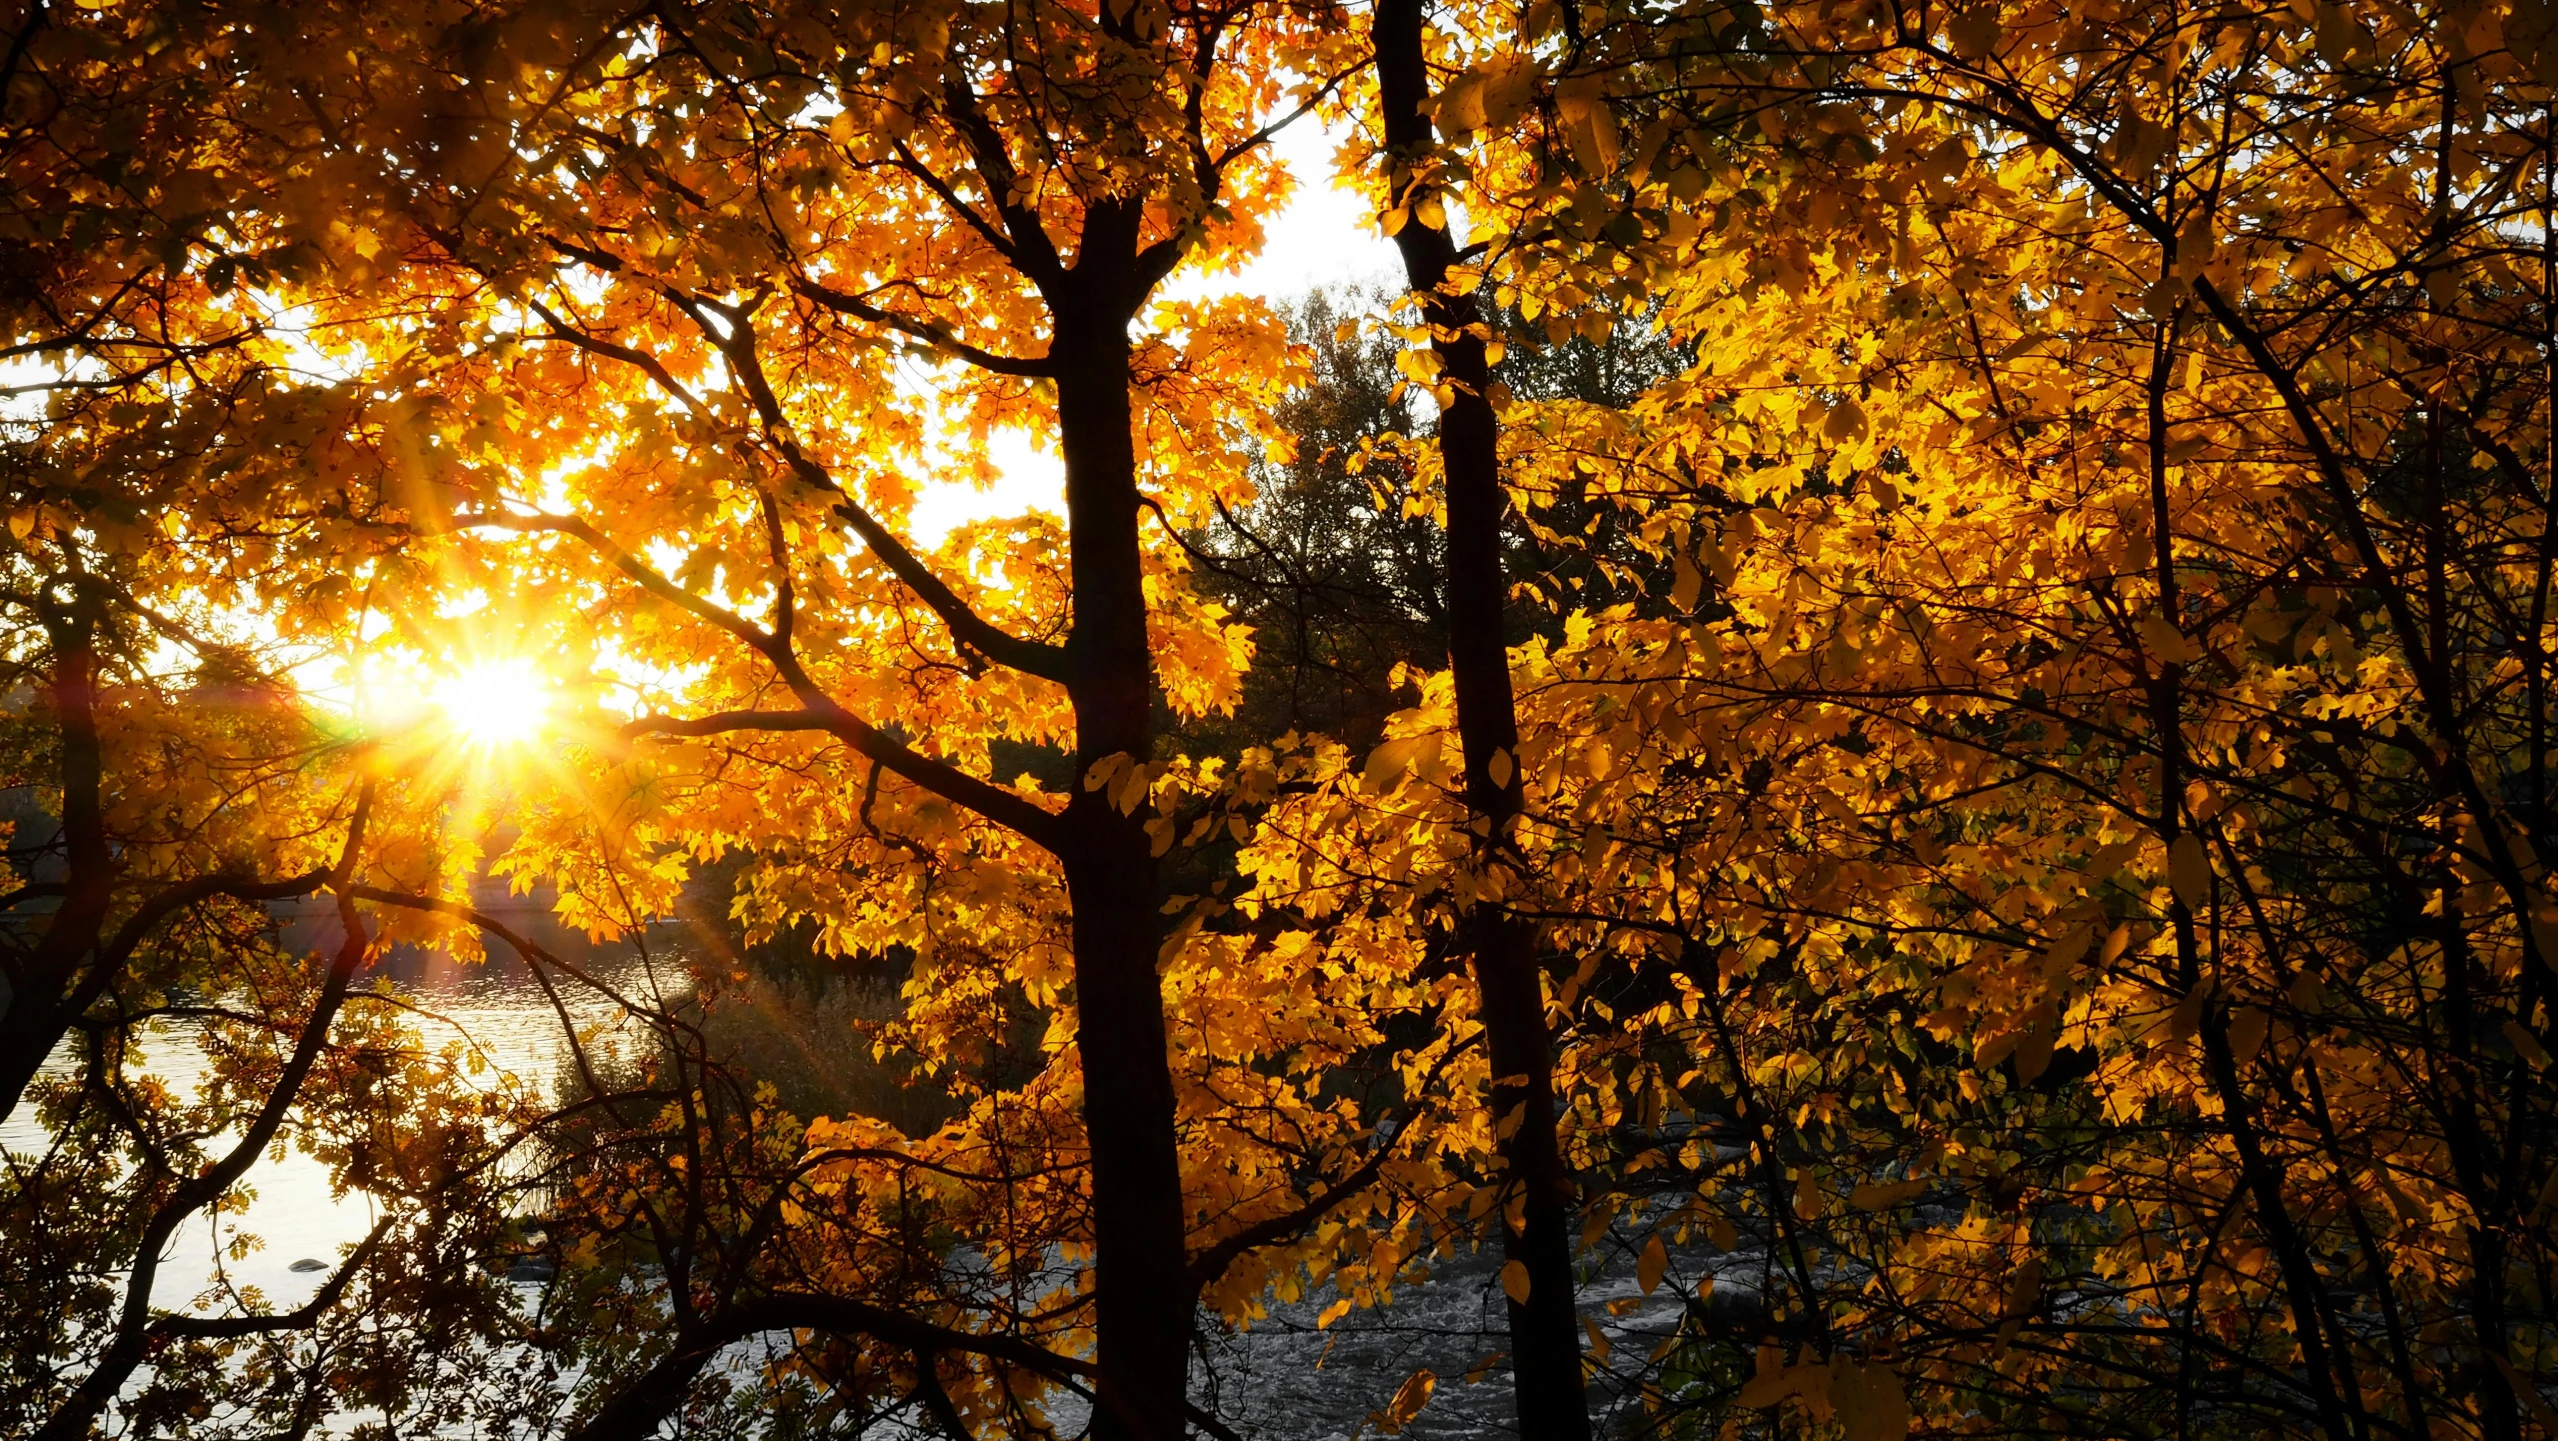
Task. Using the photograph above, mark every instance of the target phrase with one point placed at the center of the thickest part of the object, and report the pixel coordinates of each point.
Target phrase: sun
(495, 702)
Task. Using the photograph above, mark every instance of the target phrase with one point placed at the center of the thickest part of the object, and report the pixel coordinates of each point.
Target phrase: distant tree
(1327, 563)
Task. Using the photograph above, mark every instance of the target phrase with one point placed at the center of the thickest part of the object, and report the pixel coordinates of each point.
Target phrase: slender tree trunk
(2333, 1391)
(1545, 1341)
(1140, 1263)
(38, 1012)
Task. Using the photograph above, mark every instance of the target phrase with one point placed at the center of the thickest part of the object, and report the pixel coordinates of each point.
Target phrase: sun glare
(498, 702)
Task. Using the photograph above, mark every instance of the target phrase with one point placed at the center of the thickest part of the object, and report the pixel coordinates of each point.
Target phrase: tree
(696, 258)
(2005, 795)
(195, 535)
(2052, 406)
(1328, 565)
(1537, 1273)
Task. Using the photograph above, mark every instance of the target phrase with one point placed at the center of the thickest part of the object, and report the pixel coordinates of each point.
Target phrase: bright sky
(1324, 237)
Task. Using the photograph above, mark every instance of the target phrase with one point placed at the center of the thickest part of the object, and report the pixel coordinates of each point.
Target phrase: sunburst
(496, 703)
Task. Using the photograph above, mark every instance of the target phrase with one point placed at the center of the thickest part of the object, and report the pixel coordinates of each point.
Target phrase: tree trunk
(1140, 1271)
(38, 1011)
(1545, 1341)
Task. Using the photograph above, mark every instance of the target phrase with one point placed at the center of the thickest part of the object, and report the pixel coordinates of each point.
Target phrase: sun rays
(491, 704)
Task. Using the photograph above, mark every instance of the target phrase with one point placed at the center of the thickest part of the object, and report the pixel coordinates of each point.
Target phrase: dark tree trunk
(41, 1003)
(1140, 1270)
(1545, 1341)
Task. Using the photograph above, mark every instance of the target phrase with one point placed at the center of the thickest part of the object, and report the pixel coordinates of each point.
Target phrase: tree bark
(1140, 1260)
(1545, 1341)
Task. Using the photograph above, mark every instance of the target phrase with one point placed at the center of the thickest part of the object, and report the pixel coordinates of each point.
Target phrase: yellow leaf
(2034, 1044)
(2337, 33)
(1514, 1282)
(1974, 33)
(2188, 1015)
(1408, 1400)
(2247, 1032)
(2065, 951)
(2110, 859)
(1105, 770)
(1654, 1261)
(1588, 125)
(2544, 938)
(1766, 1385)
(1846, 422)
(2025, 1288)
(1870, 1402)
(1689, 582)
(1883, 1195)
(1460, 110)
(2166, 642)
(2189, 871)
(1509, 84)
(1130, 793)
(1388, 762)
(1647, 148)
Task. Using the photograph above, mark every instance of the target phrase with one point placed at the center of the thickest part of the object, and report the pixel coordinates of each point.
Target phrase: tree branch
(971, 630)
(1003, 807)
(936, 335)
(636, 1411)
(135, 1324)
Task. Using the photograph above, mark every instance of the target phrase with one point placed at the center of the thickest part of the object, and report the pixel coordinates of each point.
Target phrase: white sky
(1324, 237)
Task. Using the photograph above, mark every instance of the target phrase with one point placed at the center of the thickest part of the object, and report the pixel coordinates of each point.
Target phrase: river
(1284, 1378)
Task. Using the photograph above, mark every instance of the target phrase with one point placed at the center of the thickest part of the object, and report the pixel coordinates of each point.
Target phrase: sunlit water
(1284, 1378)
(494, 1009)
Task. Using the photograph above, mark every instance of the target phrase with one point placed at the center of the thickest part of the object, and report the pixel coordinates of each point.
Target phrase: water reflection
(509, 1031)
(1295, 1374)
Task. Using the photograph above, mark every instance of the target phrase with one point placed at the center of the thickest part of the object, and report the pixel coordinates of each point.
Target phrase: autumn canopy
(1864, 755)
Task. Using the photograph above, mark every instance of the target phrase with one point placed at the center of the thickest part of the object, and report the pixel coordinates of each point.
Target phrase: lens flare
(495, 703)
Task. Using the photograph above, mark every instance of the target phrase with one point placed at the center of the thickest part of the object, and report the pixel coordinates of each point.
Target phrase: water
(1285, 1377)
(494, 1009)
(1287, 1380)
